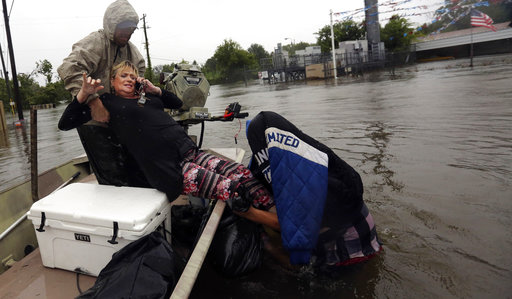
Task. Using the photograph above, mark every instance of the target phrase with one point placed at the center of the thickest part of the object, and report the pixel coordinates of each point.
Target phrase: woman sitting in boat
(167, 156)
(317, 195)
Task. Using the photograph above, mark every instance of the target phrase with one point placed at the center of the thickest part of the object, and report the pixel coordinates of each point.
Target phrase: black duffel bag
(145, 268)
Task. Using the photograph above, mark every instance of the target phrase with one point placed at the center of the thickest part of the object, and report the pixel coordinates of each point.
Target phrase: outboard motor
(188, 83)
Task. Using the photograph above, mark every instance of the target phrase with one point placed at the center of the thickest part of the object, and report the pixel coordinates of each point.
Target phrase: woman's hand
(150, 88)
(89, 86)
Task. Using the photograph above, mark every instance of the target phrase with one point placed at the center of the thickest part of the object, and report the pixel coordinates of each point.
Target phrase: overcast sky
(190, 30)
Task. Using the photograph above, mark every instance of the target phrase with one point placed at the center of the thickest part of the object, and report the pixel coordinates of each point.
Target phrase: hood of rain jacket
(117, 12)
(97, 53)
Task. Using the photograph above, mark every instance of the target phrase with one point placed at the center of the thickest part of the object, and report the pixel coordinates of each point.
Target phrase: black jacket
(156, 141)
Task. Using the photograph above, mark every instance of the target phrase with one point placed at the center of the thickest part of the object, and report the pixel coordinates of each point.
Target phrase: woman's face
(124, 83)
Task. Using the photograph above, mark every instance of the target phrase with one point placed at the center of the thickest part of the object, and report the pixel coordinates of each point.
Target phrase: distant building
(309, 51)
(306, 56)
(357, 51)
(349, 55)
(352, 52)
(280, 57)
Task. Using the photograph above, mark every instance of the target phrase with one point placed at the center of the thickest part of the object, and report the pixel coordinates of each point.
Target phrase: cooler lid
(100, 205)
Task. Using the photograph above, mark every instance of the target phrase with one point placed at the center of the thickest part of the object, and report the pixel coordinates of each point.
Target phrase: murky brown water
(433, 145)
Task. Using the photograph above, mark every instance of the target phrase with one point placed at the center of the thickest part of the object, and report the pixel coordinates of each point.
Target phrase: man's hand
(259, 216)
(98, 111)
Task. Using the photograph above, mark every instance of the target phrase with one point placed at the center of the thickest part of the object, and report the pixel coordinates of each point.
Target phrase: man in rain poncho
(96, 53)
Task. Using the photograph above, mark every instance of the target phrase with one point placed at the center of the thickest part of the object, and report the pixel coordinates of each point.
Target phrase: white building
(309, 51)
(356, 51)
(352, 52)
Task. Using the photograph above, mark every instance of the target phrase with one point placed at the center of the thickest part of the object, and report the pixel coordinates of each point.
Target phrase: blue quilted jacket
(297, 173)
(299, 182)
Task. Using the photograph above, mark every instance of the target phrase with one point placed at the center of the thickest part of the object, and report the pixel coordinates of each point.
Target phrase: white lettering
(283, 139)
(267, 174)
(262, 156)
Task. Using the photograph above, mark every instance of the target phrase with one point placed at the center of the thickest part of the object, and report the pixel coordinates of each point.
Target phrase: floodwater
(433, 145)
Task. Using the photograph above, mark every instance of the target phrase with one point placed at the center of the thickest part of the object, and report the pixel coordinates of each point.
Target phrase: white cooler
(80, 226)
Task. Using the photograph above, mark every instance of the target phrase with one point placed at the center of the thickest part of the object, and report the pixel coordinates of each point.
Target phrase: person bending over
(167, 156)
(318, 197)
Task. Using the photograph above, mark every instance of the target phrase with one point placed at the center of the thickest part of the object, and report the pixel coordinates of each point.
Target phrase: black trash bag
(185, 224)
(145, 268)
(237, 248)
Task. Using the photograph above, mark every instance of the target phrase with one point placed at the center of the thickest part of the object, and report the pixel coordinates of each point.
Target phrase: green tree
(61, 93)
(210, 65)
(163, 68)
(397, 34)
(28, 89)
(258, 52)
(168, 68)
(346, 30)
(4, 97)
(232, 61)
(149, 74)
(51, 93)
(210, 71)
(32, 93)
(45, 68)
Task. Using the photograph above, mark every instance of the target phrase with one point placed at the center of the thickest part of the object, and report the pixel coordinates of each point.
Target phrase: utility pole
(333, 52)
(471, 48)
(6, 75)
(17, 96)
(150, 69)
(371, 12)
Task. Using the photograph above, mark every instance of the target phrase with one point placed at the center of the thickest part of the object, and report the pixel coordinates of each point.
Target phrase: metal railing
(360, 59)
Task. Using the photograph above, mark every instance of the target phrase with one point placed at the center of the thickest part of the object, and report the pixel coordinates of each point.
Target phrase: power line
(394, 8)
(10, 10)
(166, 59)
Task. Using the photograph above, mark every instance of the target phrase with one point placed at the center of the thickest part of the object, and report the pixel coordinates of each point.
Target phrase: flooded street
(433, 145)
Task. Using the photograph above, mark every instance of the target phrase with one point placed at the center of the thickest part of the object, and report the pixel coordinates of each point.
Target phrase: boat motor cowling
(188, 83)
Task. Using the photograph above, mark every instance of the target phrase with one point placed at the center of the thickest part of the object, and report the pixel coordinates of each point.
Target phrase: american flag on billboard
(480, 19)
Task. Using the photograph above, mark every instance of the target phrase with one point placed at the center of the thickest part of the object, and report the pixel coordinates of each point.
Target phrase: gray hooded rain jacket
(97, 52)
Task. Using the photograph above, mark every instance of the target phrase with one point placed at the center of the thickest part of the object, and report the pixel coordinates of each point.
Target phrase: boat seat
(110, 161)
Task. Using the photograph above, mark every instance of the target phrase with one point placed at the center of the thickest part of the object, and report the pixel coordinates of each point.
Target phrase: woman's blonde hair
(126, 64)
(121, 66)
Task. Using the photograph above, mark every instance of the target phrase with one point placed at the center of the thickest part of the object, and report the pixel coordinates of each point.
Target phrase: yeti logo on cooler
(80, 237)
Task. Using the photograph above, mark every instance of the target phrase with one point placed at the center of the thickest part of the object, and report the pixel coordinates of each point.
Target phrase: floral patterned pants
(212, 177)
